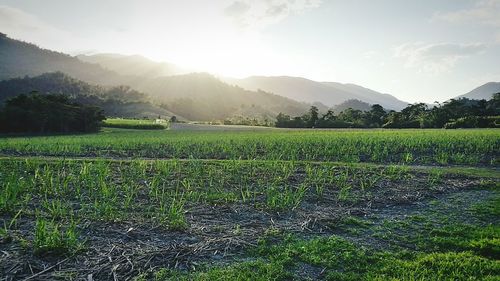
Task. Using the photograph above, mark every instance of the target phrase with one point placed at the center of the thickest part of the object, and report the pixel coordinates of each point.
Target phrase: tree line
(36, 113)
(456, 113)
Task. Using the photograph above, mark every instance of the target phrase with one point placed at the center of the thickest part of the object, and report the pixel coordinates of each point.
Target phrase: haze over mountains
(134, 65)
(167, 89)
(199, 96)
(328, 93)
(19, 59)
(297, 88)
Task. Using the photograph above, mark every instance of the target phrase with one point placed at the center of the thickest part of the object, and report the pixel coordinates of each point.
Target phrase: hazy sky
(418, 50)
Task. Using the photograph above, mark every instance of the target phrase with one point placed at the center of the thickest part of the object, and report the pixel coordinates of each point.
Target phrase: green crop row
(161, 190)
(133, 124)
(441, 147)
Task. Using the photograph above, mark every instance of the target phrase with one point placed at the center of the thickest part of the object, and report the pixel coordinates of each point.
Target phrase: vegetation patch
(52, 239)
(478, 147)
(279, 212)
(134, 124)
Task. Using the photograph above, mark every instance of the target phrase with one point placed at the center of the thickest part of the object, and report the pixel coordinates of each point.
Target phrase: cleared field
(441, 147)
(93, 218)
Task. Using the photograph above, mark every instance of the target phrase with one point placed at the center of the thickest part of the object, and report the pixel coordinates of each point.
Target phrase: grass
(50, 238)
(446, 249)
(462, 147)
(111, 189)
(335, 258)
(280, 205)
(490, 208)
(137, 124)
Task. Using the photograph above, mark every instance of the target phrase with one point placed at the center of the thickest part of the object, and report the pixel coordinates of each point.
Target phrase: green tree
(313, 116)
(376, 115)
(37, 113)
(282, 120)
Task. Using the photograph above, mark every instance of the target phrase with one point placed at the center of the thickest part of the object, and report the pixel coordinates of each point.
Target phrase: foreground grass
(281, 204)
(441, 147)
(335, 258)
(445, 249)
(55, 209)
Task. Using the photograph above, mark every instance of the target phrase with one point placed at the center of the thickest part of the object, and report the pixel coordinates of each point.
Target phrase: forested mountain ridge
(353, 104)
(214, 99)
(296, 88)
(19, 59)
(193, 96)
(119, 101)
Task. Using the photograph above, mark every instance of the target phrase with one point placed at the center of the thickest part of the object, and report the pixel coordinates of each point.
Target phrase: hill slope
(119, 101)
(370, 96)
(18, 59)
(354, 104)
(485, 91)
(194, 96)
(200, 96)
(328, 93)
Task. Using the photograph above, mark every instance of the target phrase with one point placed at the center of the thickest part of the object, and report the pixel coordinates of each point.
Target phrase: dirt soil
(217, 234)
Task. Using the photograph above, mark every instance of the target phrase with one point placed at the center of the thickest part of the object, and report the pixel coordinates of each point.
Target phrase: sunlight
(224, 53)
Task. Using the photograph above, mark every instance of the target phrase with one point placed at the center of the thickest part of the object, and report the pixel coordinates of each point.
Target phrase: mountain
(328, 93)
(197, 96)
(354, 104)
(201, 96)
(134, 65)
(485, 91)
(119, 101)
(192, 96)
(370, 96)
(18, 59)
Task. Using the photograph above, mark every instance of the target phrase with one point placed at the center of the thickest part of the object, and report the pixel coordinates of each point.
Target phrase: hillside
(197, 96)
(200, 96)
(133, 65)
(328, 93)
(19, 59)
(194, 96)
(119, 101)
(485, 91)
(370, 96)
(354, 104)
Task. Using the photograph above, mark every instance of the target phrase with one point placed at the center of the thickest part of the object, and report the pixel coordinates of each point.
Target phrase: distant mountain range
(170, 89)
(201, 96)
(485, 91)
(328, 93)
(194, 96)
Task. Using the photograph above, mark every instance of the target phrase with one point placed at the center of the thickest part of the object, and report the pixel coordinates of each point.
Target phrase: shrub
(474, 122)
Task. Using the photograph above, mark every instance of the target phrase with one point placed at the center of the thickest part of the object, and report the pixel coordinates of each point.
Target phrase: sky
(418, 51)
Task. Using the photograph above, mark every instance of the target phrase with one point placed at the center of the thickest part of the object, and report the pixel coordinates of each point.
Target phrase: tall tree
(313, 116)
